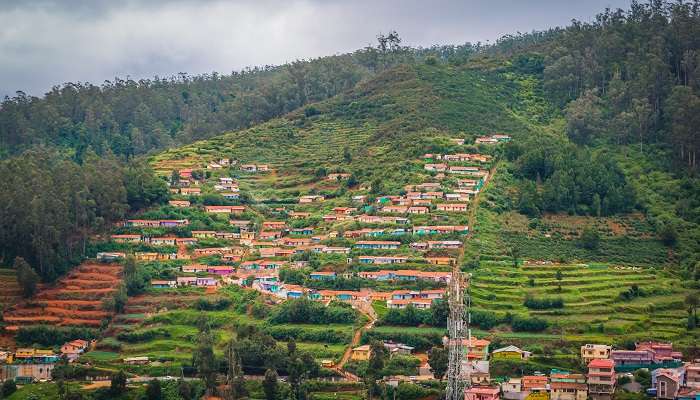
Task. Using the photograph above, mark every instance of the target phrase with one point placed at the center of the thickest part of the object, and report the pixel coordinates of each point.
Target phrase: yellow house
(510, 353)
(361, 353)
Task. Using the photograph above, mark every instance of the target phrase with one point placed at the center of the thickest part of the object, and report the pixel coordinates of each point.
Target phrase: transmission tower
(459, 333)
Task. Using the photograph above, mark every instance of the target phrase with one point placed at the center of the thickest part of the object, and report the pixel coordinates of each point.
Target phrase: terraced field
(75, 300)
(10, 292)
(591, 295)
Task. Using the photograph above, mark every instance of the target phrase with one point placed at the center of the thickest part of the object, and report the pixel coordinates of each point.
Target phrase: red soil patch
(75, 300)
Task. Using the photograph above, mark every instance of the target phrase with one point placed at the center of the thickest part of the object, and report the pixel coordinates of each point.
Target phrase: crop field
(75, 300)
(10, 292)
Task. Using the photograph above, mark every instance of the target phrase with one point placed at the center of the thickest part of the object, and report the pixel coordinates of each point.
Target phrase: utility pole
(458, 330)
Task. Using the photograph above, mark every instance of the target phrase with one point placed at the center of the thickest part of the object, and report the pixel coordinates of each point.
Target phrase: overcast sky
(48, 42)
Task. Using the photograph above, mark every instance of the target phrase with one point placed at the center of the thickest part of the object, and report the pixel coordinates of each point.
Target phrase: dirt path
(365, 308)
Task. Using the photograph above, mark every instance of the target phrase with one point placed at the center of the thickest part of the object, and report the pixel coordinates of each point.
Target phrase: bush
(303, 310)
(542, 304)
(8, 387)
(52, 336)
(521, 324)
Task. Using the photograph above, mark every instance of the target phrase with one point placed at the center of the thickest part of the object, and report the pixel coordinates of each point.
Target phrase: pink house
(481, 393)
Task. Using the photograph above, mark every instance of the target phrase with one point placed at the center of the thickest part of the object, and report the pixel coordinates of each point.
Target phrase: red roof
(601, 363)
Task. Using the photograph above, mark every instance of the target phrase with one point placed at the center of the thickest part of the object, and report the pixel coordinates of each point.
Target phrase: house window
(662, 389)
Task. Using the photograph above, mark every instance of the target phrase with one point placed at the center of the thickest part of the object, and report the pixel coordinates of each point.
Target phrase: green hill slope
(374, 129)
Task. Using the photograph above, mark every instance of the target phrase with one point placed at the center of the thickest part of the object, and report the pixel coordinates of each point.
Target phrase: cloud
(45, 42)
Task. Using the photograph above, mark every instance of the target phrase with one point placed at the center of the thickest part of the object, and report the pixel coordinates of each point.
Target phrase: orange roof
(601, 363)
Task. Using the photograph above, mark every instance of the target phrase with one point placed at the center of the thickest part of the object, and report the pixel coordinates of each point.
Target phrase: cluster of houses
(27, 365)
(671, 378)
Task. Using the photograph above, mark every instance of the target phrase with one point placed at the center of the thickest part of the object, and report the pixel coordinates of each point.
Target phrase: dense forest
(130, 117)
(52, 205)
(629, 77)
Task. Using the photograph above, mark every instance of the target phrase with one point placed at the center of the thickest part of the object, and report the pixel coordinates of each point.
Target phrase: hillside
(375, 129)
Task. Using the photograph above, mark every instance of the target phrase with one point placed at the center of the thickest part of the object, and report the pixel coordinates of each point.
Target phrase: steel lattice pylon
(458, 331)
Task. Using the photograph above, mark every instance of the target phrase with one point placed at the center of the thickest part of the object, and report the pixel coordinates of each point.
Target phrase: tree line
(53, 204)
(628, 77)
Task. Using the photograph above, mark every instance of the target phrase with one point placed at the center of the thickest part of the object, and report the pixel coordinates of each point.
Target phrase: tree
(205, 361)
(234, 375)
(270, 385)
(584, 117)
(437, 359)
(8, 387)
(590, 239)
(692, 300)
(153, 390)
(26, 277)
(175, 179)
(514, 252)
(118, 383)
(184, 389)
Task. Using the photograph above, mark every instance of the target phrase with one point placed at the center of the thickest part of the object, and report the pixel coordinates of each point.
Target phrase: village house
(240, 223)
(210, 251)
(220, 270)
(361, 353)
(322, 275)
(136, 360)
(394, 210)
(601, 379)
(512, 389)
(439, 229)
(344, 210)
(335, 250)
(512, 353)
(231, 195)
(457, 141)
(274, 225)
(214, 165)
(227, 235)
(310, 199)
(249, 168)
(418, 210)
(190, 191)
(420, 304)
(179, 203)
(224, 209)
(444, 244)
(377, 244)
(452, 207)
(397, 348)
(299, 215)
(485, 140)
(302, 231)
(270, 235)
(337, 176)
(206, 281)
(692, 374)
(481, 393)
(566, 386)
(109, 256)
(441, 260)
(535, 383)
(667, 382)
(73, 349)
(126, 238)
(476, 372)
(163, 284)
(270, 252)
(194, 268)
(186, 280)
(381, 260)
(462, 170)
(435, 167)
(590, 352)
(203, 234)
(162, 241)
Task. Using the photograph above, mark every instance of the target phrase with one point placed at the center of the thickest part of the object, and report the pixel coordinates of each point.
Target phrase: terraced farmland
(591, 296)
(10, 292)
(76, 300)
